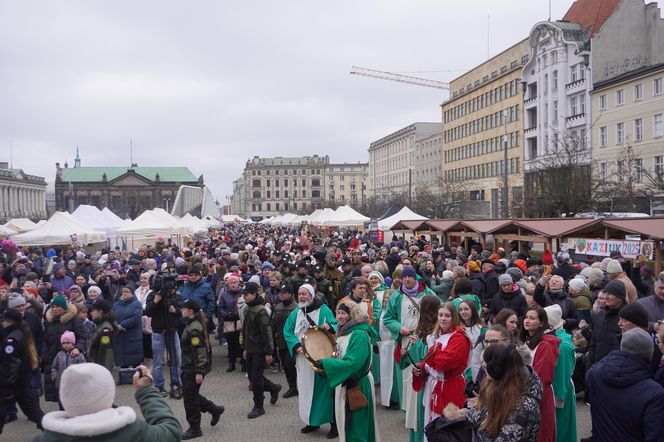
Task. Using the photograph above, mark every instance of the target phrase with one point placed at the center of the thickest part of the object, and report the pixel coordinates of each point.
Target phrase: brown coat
(632, 295)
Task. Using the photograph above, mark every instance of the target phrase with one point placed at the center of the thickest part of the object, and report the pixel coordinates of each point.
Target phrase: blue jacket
(128, 345)
(200, 292)
(626, 404)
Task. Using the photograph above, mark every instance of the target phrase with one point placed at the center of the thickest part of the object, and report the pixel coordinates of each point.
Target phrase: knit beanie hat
(505, 279)
(555, 316)
(605, 262)
(473, 267)
(577, 284)
(635, 313)
(408, 271)
(515, 272)
(396, 274)
(595, 275)
(60, 301)
(638, 342)
(309, 288)
(614, 267)
(68, 336)
(86, 389)
(616, 288)
(15, 300)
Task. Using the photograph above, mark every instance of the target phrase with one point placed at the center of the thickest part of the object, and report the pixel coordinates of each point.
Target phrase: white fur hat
(555, 315)
(577, 284)
(86, 389)
(614, 266)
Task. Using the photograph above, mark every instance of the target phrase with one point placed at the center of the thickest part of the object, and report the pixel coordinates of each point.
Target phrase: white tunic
(386, 354)
(305, 374)
(409, 318)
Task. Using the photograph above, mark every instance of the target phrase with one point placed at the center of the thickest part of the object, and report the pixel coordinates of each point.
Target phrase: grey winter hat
(15, 300)
(505, 279)
(638, 342)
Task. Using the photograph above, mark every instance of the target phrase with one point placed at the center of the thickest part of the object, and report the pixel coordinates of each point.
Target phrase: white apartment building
(393, 162)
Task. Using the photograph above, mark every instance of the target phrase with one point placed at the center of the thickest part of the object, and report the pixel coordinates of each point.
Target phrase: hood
(620, 369)
(584, 292)
(65, 317)
(89, 425)
(353, 325)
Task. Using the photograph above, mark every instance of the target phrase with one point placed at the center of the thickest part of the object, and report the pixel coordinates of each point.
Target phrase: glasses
(494, 341)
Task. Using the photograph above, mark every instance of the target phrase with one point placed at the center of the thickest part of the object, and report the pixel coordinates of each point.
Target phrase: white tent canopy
(92, 217)
(171, 220)
(211, 222)
(344, 216)
(147, 224)
(112, 218)
(405, 214)
(58, 230)
(233, 219)
(318, 216)
(196, 224)
(21, 225)
(7, 231)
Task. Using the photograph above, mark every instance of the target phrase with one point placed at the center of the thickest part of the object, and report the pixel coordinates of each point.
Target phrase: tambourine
(318, 344)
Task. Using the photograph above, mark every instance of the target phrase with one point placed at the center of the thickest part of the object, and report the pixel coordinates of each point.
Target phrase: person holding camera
(163, 306)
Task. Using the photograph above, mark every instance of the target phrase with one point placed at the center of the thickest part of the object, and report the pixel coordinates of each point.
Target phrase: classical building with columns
(21, 195)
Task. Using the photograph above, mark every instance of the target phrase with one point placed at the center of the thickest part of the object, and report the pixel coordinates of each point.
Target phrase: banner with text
(604, 247)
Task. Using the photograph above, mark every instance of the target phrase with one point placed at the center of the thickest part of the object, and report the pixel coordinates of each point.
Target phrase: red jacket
(544, 364)
(451, 361)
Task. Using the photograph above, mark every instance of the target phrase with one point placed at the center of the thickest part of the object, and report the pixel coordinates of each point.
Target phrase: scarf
(411, 292)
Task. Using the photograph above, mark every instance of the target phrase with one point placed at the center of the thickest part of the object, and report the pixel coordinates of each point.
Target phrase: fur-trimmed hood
(65, 317)
(89, 425)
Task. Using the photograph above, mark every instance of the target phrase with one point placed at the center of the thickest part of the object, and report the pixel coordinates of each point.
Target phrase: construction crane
(390, 76)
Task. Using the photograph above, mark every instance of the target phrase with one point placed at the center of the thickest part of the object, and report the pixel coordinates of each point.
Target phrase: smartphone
(547, 269)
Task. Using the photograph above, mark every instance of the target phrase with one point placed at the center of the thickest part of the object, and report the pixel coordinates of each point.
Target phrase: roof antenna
(11, 154)
(131, 153)
(549, 10)
(488, 36)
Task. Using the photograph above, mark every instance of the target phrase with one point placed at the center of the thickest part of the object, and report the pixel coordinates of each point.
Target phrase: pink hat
(68, 336)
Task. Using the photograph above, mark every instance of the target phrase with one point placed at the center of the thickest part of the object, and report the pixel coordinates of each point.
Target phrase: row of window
(494, 74)
(658, 130)
(257, 183)
(637, 172)
(486, 122)
(483, 147)
(257, 194)
(657, 89)
(485, 170)
(285, 172)
(503, 92)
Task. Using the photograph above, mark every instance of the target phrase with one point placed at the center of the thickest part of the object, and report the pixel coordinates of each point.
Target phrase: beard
(305, 304)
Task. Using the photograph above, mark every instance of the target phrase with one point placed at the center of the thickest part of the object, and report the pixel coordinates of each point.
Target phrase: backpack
(442, 429)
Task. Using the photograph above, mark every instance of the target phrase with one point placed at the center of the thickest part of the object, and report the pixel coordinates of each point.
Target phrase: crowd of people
(459, 337)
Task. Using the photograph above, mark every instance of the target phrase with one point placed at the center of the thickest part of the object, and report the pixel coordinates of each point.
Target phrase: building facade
(273, 186)
(628, 109)
(392, 160)
(21, 195)
(482, 116)
(127, 191)
(346, 183)
(428, 160)
(237, 200)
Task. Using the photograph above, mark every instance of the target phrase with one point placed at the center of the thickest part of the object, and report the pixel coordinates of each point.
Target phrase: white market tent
(58, 230)
(113, 219)
(21, 225)
(318, 216)
(146, 225)
(233, 219)
(405, 214)
(6, 231)
(266, 220)
(95, 218)
(196, 224)
(171, 220)
(211, 222)
(344, 216)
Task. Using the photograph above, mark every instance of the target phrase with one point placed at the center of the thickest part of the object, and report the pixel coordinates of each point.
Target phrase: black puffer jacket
(54, 327)
(546, 298)
(603, 338)
(514, 300)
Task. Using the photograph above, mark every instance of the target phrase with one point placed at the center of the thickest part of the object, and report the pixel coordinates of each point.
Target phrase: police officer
(324, 286)
(18, 358)
(195, 365)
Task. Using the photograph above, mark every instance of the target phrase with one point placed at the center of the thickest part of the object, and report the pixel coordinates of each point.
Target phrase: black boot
(333, 433)
(192, 433)
(255, 412)
(274, 394)
(216, 414)
(292, 391)
(231, 366)
(309, 429)
(176, 391)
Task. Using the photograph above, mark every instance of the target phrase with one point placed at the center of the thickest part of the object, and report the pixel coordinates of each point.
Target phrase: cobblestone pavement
(280, 422)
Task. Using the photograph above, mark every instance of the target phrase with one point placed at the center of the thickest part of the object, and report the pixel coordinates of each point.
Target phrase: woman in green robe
(352, 367)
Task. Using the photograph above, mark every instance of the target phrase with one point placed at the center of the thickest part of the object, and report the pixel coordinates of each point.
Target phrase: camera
(164, 282)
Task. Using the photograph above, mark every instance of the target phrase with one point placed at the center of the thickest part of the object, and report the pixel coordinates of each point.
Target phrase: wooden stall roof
(412, 226)
(614, 228)
(549, 227)
(485, 225)
(442, 225)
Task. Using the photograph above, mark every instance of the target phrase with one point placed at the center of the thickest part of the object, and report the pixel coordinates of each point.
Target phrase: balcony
(530, 102)
(530, 131)
(575, 85)
(576, 120)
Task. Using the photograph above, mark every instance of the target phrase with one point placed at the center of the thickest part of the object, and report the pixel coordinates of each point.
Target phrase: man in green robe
(401, 318)
(315, 395)
(352, 368)
(563, 387)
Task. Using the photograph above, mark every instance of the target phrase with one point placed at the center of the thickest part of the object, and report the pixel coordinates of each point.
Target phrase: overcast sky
(209, 84)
